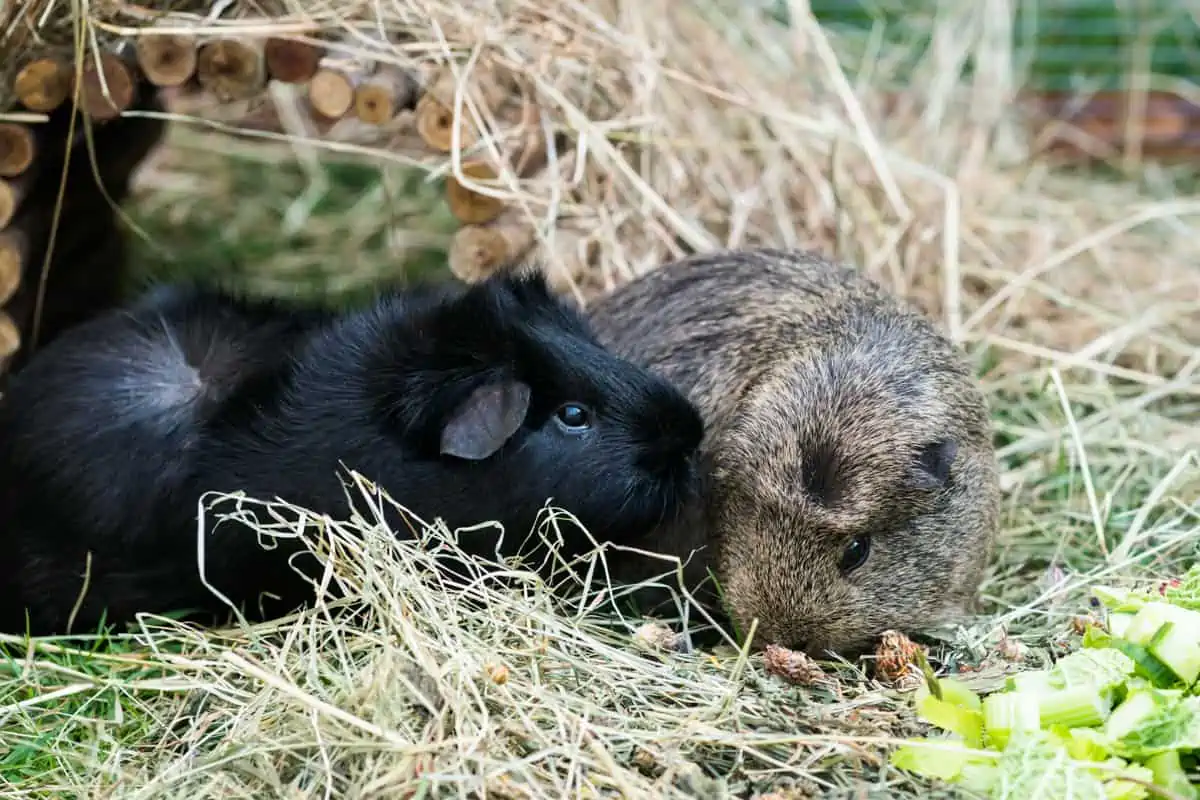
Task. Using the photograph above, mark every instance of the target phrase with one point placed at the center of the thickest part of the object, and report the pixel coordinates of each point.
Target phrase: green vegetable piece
(1037, 681)
(1172, 635)
(942, 762)
(1100, 669)
(1008, 713)
(1167, 772)
(1115, 788)
(1076, 707)
(967, 723)
(959, 694)
(1118, 623)
(1138, 708)
(1088, 744)
(1115, 599)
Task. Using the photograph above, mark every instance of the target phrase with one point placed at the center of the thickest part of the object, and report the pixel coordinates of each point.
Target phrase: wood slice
(568, 257)
(470, 207)
(43, 84)
(12, 192)
(435, 125)
(117, 71)
(435, 108)
(166, 59)
(382, 96)
(17, 149)
(14, 250)
(232, 68)
(292, 61)
(478, 251)
(10, 336)
(331, 91)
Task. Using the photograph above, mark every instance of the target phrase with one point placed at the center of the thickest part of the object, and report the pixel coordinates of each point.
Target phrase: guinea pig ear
(486, 420)
(932, 467)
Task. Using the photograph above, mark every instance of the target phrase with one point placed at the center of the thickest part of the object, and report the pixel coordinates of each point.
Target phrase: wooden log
(477, 251)
(167, 59)
(10, 336)
(331, 90)
(232, 68)
(468, 206)
(385, 94)
(435, 123)
(43, 84)
(17, 149)
(567, 258)
(473, 208)
(12, 192)
(14, 250)
(435, 109)
(292, 61)
(115, 71)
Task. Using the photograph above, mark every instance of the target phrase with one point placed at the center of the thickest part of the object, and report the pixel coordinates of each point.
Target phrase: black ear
(932, 469)
(486, 420)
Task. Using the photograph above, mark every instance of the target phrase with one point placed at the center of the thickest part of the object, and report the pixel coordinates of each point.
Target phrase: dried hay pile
(680, 126)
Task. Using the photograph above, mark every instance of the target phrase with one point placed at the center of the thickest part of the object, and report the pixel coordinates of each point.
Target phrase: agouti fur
(852, 482)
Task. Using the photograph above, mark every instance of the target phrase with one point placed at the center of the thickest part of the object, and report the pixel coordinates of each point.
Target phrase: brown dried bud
(791, 665)
(896, 656)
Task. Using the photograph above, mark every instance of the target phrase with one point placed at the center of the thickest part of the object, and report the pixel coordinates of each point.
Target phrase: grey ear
(486, 420)
(932, 469)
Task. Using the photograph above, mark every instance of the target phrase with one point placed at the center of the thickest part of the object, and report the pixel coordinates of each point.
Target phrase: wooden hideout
(495, 143)
(482, 128)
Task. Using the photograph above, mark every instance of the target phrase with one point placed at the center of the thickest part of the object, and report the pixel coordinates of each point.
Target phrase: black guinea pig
(468, 403)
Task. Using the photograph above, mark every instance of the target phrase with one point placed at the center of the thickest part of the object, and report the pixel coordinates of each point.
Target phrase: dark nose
(674, 438)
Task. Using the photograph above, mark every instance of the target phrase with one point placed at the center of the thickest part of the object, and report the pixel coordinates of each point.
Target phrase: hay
(689, 126)
(702, 124)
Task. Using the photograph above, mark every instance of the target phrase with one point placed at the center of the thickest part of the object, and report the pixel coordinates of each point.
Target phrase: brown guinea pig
(852, 481)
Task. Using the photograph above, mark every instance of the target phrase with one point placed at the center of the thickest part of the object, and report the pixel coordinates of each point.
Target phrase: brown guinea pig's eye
(855, 554)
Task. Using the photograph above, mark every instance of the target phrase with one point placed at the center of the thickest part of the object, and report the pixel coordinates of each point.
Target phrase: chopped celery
(1118, 787)
(959, 694)
(944, 762)
(1035, 681)
(1088, 744)
(1115, 599)
(1131, 714)
(1168, 773)
(1172, 635)
(965, 722)
(1009, 713)
(1077, 707)
(1118, 623)
(1167, 722)
(1120, 714)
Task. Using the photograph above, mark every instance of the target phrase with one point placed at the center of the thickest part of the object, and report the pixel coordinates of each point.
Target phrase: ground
(1060, 273)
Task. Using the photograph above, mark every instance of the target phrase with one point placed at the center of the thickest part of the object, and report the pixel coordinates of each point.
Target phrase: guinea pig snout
(668, 443)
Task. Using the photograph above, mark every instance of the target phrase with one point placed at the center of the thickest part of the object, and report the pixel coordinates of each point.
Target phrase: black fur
(111, 435)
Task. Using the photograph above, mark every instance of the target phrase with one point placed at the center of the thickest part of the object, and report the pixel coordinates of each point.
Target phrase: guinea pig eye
(855, 554)
(574, 416)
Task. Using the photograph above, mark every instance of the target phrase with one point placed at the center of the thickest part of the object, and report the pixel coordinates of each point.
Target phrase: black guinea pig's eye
(855, 554)
(574, 416)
